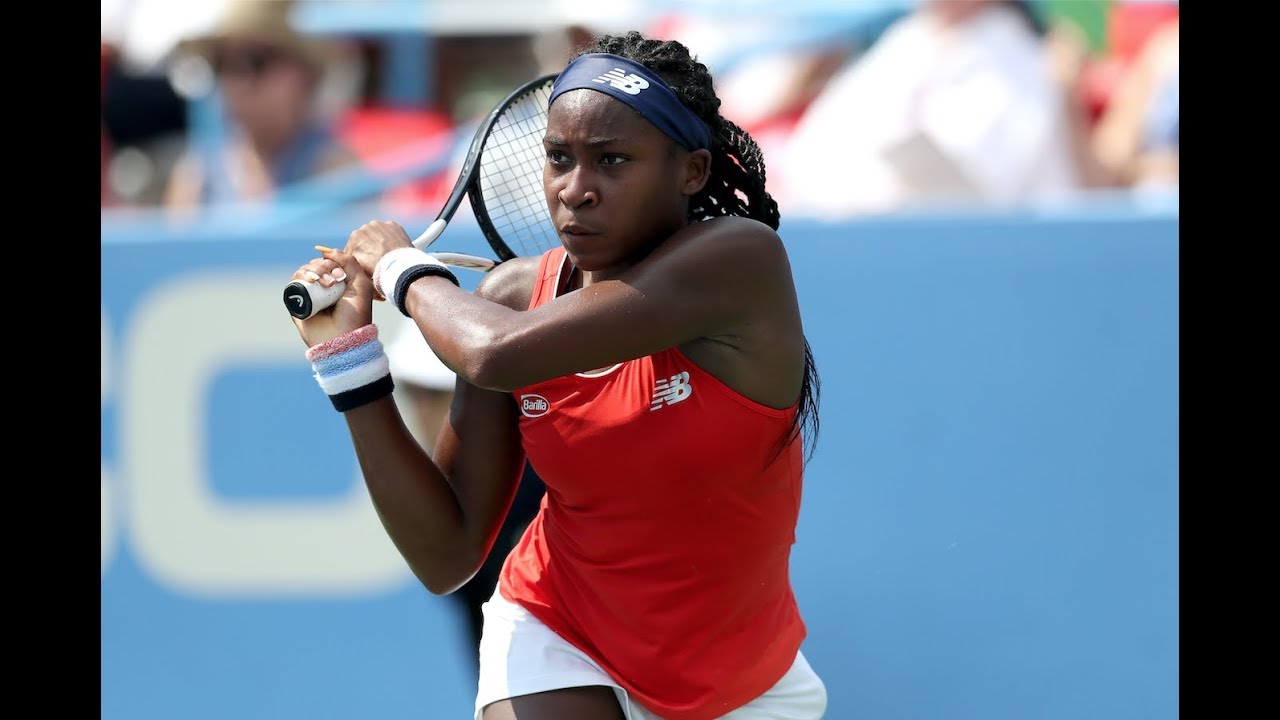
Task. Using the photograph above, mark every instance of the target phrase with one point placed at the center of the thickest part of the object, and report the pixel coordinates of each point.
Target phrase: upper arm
(478, 448)
(510, 284)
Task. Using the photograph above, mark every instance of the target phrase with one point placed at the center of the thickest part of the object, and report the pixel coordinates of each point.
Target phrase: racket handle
(304, 299)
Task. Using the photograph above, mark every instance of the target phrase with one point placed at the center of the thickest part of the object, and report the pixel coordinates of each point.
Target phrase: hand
(352, 311)
(373, 240)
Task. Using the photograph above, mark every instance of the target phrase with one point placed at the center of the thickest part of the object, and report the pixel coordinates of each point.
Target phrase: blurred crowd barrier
(989, 527)
(861, 108)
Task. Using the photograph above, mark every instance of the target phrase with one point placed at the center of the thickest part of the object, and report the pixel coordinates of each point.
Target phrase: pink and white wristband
(352, 368)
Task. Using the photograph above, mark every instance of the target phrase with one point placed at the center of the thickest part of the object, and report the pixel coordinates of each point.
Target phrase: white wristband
(394, 264)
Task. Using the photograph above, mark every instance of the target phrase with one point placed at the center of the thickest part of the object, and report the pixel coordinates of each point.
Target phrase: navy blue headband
(639, 87)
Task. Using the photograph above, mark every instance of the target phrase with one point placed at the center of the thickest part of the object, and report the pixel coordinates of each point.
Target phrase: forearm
(417, 506)
(470, 334)
(667, 300)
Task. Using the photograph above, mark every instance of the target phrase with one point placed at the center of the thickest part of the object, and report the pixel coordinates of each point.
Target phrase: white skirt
(519, 655)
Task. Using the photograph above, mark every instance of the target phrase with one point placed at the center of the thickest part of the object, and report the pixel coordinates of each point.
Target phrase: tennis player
(655, 373)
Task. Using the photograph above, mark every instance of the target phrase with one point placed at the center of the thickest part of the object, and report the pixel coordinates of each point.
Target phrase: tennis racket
(501, 176)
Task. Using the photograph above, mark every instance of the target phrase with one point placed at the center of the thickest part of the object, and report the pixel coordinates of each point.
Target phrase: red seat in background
(389, 139)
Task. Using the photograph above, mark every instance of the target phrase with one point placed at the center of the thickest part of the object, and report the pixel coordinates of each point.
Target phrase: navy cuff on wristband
(416, 273)
(363, 395)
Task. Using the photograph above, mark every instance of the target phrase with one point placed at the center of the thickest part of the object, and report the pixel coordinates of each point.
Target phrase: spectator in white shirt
(954, 102)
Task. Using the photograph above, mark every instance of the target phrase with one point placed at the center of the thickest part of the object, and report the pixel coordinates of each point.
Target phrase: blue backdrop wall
(989, 529)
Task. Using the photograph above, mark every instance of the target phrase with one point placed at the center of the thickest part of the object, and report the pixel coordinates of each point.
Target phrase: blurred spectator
(1117, 76)
(954, 102)
(268, 79)
(1126, 27)
(553, 47)
(143, 121)
(770, 67)
(1069, 57)
(107, 196)
(1136, 138)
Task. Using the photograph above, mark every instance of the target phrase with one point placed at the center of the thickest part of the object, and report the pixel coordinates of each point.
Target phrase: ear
(695, 172)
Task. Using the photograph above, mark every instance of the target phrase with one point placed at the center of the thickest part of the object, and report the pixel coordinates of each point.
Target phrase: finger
(347, 268)
(321, 270)
(343, 264)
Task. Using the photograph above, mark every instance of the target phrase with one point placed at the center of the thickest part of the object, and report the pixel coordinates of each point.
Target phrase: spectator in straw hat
(268, 77)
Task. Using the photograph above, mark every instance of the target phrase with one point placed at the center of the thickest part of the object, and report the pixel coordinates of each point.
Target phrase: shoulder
(737, 241)
(511, 282)
(745, 229)
(738, 260)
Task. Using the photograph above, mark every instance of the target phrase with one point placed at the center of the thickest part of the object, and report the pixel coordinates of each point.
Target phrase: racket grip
(304, 299)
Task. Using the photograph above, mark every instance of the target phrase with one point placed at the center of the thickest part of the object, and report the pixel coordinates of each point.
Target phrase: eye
(556, 157)
(613, 159)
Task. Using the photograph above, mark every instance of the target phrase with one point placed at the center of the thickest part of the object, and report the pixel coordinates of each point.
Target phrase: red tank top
(661, 548)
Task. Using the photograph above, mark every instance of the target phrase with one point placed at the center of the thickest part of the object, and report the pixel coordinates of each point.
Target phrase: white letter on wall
(183, 336)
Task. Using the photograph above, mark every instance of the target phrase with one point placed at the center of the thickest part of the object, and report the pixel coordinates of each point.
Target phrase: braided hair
(736, 183)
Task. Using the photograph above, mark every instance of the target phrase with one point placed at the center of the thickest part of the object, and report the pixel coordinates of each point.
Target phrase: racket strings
(511, 170)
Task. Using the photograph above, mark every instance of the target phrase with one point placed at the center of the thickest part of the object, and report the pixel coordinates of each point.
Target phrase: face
(616, 186)
(267, 92)
(954, 12)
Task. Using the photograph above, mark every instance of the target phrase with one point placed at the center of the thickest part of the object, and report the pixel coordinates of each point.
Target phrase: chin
(586, 263)
(586, 254)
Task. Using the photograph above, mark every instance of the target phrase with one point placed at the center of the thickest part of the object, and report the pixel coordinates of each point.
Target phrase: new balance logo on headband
(623, 79)
(631, 84)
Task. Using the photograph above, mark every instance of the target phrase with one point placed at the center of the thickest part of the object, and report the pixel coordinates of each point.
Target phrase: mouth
(575, 230)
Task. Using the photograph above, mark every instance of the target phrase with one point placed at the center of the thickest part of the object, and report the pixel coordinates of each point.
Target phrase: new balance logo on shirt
(630, 84)
(667, 391)
(671, 391)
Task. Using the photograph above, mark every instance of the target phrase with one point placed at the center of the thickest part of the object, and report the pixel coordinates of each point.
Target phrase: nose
(577, 190)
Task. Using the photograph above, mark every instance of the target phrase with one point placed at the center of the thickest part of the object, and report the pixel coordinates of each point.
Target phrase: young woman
(655, 373)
